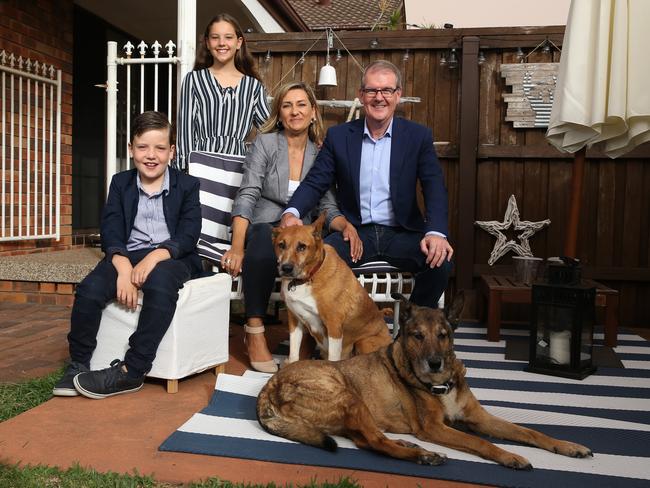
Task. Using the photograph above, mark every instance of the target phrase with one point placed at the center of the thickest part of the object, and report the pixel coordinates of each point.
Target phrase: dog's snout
(286, 268)
(435, 364)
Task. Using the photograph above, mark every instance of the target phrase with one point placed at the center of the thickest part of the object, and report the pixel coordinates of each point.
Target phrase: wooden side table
(496, 290)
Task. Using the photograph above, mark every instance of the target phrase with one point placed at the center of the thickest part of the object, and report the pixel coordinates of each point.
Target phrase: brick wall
(37, 292)
(42, 30)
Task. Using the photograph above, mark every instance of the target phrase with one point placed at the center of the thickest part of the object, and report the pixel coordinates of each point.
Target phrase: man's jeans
(401, 248)
(160, 293)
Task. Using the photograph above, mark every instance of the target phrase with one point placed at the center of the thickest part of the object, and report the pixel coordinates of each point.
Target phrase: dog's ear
(275, 231)
(406, 307)
(454, 311)
(318, 225)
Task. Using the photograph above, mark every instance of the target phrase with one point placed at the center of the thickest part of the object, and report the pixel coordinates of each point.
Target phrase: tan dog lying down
(414, 386)
(323, 295)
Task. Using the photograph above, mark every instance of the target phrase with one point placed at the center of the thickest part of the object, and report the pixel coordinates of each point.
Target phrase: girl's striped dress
(212, 118)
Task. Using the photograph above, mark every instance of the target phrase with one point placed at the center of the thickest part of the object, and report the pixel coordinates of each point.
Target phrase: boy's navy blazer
(412, 158)
(181, 208)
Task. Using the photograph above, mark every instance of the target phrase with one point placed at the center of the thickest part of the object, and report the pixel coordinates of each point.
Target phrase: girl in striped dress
(222, 98)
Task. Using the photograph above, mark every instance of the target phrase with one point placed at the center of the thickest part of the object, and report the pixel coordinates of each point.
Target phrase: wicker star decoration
(511, 219)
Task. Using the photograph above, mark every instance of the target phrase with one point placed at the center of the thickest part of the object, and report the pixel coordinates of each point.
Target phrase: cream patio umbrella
(603, 87)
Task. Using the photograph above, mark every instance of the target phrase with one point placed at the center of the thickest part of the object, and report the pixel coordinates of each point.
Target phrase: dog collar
(442, 389)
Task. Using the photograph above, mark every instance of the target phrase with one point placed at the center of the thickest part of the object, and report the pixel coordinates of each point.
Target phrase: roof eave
(285, 15)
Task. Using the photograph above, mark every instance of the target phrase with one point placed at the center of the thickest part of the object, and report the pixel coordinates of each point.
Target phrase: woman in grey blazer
(280, 158)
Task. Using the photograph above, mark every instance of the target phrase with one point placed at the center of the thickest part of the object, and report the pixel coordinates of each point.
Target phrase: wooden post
(570, 244)
(468, 142)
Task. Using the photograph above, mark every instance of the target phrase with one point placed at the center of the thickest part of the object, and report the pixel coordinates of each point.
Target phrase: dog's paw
(572, 449)
(515, 461)
(431, 458)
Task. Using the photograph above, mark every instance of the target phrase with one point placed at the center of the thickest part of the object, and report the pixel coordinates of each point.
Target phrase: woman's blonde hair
(273, 123)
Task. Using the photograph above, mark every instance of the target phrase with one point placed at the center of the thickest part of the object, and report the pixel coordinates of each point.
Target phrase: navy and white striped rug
(608, 411)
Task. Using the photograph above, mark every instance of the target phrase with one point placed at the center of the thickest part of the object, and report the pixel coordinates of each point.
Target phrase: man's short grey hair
(382, 65)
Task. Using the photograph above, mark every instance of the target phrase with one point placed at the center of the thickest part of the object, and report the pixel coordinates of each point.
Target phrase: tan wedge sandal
(262, 366)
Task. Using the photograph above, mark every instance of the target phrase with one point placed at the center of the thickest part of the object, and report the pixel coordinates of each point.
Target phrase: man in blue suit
(375, 164)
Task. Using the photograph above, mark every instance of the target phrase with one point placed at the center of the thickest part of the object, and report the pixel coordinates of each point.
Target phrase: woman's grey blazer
(263, 194)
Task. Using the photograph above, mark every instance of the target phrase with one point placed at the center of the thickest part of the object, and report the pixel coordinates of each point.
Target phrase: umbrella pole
(570, 243)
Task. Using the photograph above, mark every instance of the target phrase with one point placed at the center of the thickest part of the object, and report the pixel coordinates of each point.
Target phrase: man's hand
(289, 220)
(436, 249)
(141, 270)
(351, 235)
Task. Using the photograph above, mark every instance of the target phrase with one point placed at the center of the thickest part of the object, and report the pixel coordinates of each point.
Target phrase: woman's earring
(311, 122)
(278, 124)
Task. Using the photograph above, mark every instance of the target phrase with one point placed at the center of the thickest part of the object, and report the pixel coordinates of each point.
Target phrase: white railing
(31, 149)
(113, 61)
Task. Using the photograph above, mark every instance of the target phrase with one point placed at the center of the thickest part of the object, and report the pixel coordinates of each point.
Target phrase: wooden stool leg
(494, 316)
(172, 386)
(221, 368)
(611, 321)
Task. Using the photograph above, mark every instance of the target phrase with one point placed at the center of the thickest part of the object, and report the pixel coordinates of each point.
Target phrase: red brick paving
(32, 340)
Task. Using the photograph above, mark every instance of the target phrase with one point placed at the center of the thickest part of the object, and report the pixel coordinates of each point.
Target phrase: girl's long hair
(243, 59)
(273, 123)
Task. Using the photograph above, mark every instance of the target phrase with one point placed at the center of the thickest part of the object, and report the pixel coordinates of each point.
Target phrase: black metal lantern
(562, 325)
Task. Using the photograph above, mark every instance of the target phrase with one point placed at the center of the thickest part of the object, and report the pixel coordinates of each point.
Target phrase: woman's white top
(293, 185)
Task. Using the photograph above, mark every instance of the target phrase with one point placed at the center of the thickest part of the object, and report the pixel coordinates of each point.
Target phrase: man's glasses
(386, 92)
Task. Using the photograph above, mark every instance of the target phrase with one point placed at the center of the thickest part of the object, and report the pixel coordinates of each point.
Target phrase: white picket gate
(150, 57)
(113, 61)
(31, 149)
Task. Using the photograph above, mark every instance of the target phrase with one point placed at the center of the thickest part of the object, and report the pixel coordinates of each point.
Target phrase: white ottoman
(197, 338)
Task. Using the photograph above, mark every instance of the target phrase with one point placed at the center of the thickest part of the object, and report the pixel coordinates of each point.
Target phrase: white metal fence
(31, 149)
(147, 93)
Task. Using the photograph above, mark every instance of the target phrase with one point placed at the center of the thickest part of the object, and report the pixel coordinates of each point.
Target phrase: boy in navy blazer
(375, 164)
(149, 229)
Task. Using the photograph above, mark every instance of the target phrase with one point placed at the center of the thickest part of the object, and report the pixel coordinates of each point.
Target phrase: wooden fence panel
(605, 212)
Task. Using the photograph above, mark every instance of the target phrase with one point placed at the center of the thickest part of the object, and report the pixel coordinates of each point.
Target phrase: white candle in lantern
(560, 347)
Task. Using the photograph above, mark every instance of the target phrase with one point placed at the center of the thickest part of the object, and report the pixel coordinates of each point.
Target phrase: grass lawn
(16, 398)
(76, 477)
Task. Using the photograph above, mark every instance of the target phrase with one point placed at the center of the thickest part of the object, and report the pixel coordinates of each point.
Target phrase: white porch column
(186, 39)
(111, 110)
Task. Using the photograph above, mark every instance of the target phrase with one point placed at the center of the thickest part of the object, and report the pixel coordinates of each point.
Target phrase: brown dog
(414, 386)
(323, 295)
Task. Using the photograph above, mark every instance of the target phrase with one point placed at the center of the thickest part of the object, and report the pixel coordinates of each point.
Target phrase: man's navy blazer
(412, 158)
(181, 208)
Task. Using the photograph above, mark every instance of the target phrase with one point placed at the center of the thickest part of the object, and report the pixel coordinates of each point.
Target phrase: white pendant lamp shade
(327, 76)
